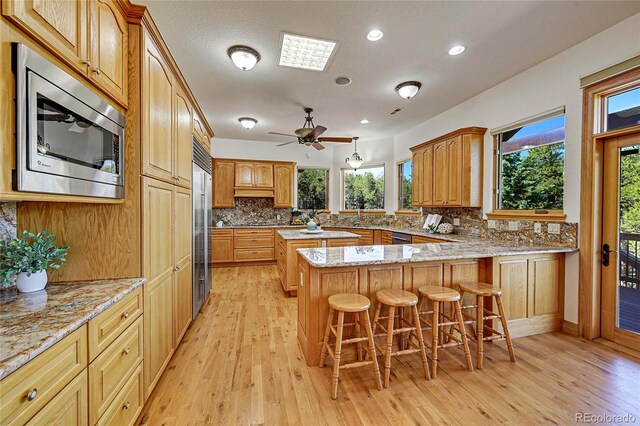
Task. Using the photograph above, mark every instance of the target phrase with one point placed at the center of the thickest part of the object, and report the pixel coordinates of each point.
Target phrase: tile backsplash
(8, 227)
(252, 211)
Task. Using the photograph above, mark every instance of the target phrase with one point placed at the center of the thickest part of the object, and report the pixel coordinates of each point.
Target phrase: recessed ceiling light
(374, 35)
(243, 57)
(456, 50)
(343, 81)
(408, 89)
(248, 122)
(364, 121)
(305, 52)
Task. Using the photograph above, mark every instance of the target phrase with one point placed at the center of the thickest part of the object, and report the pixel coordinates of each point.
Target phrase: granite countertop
(373, 255)
(324, 235)
(30, 323)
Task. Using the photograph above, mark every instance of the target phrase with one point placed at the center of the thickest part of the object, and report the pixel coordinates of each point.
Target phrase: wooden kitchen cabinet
(244, 174)
(69, 407)
(251, 174)
(182, 283)
(418, 239)
(263, 175)
(183, 140)
(222, 245)
(223, 183)
(283, 190)
(447, 171)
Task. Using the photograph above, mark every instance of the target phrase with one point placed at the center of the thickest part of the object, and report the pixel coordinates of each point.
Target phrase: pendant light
(408, 89)
(243, 57)
(355, 161)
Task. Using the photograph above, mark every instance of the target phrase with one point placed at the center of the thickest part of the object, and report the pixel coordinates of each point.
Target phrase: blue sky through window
(624, 100)
(539, 127)
(378, 172)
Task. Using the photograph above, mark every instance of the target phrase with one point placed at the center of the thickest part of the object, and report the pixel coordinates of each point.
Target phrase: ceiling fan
(309, 134)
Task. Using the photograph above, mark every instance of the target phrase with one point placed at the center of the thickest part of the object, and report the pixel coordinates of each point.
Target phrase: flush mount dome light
(243, 57)
(408, 89)
(364, 121)
(374, 35)
(456, 50)
(248, 122)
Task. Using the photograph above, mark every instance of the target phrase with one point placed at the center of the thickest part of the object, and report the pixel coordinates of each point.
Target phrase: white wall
(548, 85)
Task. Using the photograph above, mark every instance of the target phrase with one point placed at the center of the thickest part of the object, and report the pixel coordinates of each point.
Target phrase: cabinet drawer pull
(126, 351)
(125, 315)
(33, 393)
(126, 406)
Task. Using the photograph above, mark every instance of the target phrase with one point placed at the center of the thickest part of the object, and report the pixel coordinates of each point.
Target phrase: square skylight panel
(306, 52)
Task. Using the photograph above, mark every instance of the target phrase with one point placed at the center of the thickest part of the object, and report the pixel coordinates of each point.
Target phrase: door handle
(606, 251)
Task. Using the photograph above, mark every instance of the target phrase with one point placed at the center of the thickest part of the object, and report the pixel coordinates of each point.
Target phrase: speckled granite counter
(30, 323)
(324, 235)
(374, 255)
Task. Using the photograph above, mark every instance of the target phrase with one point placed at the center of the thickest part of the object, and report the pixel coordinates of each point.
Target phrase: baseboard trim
(570, 328)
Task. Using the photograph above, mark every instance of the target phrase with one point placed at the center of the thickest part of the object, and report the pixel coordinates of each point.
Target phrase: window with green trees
(531, 166)
(404, 185)
(363, 189)
(313, 189)
(630, 190)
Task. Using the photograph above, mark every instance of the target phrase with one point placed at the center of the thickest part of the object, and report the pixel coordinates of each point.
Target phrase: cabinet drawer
(254, 254)
(109, 372)
(251, 242)
(43, 377)
(253, 232)
(107, 326)
(416, 239)
(222, 232)
(69, 407)
(127, 405)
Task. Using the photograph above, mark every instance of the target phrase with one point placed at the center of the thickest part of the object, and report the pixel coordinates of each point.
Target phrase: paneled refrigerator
(201, 196)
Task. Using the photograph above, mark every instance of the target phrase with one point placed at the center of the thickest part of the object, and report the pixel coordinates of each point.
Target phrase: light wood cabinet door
(454, 171)
(222, 249)
(427, 176)
(182, 220)
(283, 186)
(263, 175)
(157, 115)
(183, 141)
(440, 173)
(183, 304)
(223, 182)
(69, 407)
(244, 174)
(417, 173)
(59, 24)
(108, 48)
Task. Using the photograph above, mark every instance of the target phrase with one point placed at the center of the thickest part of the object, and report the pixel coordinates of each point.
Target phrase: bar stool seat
(358, 305)
(439, 293)
(397, 298)
(481, 289)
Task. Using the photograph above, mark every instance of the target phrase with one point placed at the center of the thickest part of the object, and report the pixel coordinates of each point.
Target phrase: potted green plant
(27, 258)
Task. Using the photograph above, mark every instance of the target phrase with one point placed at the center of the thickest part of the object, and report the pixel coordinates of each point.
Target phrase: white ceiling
(502, 39)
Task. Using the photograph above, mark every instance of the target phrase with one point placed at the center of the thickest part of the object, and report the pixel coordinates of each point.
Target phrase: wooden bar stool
(438, 295)
(482, 290)
(399, 299)
(357, 305)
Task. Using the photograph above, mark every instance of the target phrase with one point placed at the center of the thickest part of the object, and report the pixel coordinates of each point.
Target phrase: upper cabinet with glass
(622, 110)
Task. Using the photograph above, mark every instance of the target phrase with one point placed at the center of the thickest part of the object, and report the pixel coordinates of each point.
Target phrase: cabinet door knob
(87, 63)
(177, 268)
(126, 351)
(125, 315)
(126, 406)
(97, 71)
(32, 394)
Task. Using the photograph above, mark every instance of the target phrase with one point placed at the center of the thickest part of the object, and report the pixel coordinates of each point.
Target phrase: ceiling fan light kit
(248, 122)
(408, 89)
(355, 161)
(309, 134)
(243, 57)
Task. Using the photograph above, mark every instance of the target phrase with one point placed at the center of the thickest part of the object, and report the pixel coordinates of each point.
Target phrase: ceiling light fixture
(355, 161)
(248, 122)
(243, 57)
(364, 121)
(374, 35)
(408, 89)
(456, 50)
(305, 52)
(343, 81)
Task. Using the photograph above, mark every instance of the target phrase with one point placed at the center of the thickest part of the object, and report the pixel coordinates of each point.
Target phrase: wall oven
(69, 140)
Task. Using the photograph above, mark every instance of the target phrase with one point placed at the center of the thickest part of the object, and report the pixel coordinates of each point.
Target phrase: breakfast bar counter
(531, 279)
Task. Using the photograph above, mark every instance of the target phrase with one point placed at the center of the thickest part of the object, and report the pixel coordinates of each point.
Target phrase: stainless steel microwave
(69, 140)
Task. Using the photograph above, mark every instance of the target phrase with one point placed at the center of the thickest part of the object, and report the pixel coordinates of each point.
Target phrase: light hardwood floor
(240, 364)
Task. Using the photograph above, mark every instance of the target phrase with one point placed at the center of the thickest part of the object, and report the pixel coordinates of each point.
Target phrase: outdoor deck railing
(630, 260)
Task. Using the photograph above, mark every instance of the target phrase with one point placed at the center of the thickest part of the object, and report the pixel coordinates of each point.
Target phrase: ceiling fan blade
(282, 134)
(286, 143)
(317, 131)
(330, 139)
(318, 146)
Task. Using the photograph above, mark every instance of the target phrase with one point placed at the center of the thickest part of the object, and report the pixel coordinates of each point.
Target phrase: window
(313, 189)
(363, 189)
(404, 185)
(530, 166)
(623, 109)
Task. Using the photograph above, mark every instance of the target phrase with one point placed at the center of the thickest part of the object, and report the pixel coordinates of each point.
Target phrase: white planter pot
(35, 282)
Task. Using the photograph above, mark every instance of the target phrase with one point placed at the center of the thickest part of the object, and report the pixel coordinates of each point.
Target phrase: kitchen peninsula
(531, 278)
(289, 241)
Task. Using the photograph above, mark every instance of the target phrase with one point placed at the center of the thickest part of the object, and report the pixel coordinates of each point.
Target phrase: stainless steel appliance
(400, 238)
(69, 140)
(201, 196)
